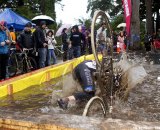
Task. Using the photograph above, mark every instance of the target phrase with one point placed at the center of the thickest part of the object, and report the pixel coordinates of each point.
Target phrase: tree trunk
(158, 20)
(149, 22)
(135, 24)
(42, 6)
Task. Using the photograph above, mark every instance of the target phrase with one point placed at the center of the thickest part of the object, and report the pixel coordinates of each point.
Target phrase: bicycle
(108, 75)
(20, 63)
(58, 51)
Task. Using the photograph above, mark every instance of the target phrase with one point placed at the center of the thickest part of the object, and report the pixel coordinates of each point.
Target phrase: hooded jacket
(26, 40)
(3, 36)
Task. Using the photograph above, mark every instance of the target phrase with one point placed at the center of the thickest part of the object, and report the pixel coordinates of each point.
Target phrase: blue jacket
(3, 37)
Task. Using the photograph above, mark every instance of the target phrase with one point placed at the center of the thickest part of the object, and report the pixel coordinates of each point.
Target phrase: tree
(85, 22)
(149, 22)
(148, 10)
(30, 8)
(135, 24)
(112, 7)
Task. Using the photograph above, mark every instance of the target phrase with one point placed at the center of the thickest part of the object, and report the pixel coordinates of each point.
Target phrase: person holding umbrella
(41, 44)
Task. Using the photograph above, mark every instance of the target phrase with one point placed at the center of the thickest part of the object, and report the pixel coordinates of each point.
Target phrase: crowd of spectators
(41, 43)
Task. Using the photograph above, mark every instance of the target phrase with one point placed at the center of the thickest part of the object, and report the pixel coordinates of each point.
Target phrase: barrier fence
(19, 83)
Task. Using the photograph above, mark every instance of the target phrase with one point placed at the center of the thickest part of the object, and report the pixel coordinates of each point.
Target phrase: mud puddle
(142, 104)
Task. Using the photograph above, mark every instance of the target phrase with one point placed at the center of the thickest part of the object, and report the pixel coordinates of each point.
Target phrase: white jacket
(51, 42)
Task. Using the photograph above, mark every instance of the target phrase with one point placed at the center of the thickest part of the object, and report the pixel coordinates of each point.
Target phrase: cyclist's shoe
(62, 104)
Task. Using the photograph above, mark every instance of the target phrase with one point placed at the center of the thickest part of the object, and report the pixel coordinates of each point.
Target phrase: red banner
(127, 12)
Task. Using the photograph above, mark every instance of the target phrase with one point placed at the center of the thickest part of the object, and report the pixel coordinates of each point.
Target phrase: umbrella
(38, 19)
(121, 25)
(59, 31)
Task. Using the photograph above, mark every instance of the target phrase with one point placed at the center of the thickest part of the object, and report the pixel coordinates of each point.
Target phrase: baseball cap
(29, 24)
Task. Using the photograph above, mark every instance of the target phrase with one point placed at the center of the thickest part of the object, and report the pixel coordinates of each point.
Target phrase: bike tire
(93, 44)
(12, 65)
(91, 103)
(32, 64)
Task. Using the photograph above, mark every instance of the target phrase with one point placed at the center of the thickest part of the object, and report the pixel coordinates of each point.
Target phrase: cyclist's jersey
(91, 64)
(83, 72)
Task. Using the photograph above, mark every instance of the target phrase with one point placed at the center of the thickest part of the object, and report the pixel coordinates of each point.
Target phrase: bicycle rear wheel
(30, 64)
(95, 108)
(12, 65)
(98, 18)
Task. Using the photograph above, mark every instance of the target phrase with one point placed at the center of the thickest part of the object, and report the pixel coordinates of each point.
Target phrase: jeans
(51, 56)
(76, 51)
(101, 47)
(42, 53)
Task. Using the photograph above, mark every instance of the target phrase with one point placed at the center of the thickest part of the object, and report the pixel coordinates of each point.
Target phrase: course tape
(19, 83)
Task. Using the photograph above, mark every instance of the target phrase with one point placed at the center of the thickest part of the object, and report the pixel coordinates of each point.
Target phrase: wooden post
(10, 89)
(48, 76)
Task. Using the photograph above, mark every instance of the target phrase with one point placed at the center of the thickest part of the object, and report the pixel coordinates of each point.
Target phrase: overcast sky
(73, 10)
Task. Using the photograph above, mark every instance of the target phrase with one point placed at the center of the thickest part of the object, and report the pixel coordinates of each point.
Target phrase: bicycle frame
(105, 71)
(21, 60)
(56, 47)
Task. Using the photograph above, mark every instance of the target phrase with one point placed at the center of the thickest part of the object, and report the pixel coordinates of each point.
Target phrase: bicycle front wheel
(101, 48)
(95, 108)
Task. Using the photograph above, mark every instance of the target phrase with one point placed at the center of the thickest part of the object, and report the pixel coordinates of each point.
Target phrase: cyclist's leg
(84, 95)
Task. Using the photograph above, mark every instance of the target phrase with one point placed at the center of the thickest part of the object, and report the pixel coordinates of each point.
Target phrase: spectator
(41, 44)
(4, 43)
(121, 39)
(147, 41)
(114, 41)
(101, 38)
(12, 34)
(88, 41)
(76, 38)
(65, 43)
(13, 37)
(83, 41)
(51, 43)
(25, 39)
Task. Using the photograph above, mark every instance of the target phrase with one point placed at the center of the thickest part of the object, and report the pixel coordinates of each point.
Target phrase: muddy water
(142, 104)
(32, 101)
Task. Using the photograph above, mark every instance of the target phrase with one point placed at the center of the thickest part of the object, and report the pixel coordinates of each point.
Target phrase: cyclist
(83, 73)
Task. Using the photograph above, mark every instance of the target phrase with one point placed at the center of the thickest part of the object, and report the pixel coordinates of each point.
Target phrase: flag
(127, 13)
